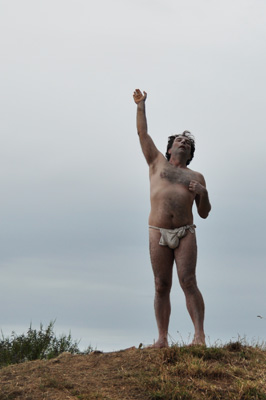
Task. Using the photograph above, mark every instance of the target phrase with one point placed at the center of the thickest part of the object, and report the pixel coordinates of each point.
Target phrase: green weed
(36, 345)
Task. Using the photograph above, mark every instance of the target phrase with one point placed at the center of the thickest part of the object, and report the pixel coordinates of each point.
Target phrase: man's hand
(138, 96)
(197, 188)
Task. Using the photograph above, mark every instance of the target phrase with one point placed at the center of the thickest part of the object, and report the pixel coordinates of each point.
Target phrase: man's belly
(171, 207)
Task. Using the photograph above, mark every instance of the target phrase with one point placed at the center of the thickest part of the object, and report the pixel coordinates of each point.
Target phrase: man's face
(182, 144)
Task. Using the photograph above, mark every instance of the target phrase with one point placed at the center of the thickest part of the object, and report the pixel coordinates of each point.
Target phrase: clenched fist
(196, 187)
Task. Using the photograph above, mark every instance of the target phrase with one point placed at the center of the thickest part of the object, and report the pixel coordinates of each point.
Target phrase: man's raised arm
(149, 149)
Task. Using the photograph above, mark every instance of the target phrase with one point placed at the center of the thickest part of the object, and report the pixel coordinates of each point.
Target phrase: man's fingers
(137, 91)
(138, 96)
(192, 185)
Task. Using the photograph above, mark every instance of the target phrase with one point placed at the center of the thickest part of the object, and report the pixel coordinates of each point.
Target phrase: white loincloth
(171, 237)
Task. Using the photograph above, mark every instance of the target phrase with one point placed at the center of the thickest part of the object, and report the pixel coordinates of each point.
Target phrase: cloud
(74, 183)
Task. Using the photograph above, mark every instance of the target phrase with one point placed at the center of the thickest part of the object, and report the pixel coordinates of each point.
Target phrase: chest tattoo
(176, 176)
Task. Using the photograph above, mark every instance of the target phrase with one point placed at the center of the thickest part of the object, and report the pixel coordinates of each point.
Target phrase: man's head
(188, 136)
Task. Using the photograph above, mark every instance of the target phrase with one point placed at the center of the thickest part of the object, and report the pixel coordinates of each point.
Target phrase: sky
(74, 183)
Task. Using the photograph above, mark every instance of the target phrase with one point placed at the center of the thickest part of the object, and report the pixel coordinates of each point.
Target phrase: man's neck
(178, 162)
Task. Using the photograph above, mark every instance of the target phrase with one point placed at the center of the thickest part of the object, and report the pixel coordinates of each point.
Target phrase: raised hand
(138, 96)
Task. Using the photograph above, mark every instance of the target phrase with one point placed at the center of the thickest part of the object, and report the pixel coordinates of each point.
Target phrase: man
(173, 189)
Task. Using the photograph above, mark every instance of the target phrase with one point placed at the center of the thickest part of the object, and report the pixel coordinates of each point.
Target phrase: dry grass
(234, 371)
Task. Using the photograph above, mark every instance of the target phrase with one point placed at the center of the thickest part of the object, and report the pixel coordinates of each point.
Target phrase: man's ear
(169, 151)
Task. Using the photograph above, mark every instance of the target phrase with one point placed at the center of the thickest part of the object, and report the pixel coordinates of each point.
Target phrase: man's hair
(171, 139)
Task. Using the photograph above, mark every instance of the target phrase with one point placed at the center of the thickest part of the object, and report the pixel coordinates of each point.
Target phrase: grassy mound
(235, 371)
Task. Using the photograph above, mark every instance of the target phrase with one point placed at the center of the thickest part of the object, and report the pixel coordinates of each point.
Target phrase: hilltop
(234, 371)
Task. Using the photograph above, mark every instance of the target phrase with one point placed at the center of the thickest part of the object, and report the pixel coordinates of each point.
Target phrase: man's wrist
(141, 105)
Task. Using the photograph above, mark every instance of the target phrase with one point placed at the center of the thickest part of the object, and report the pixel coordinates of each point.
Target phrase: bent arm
(149, 149)
(202, 197)
(203, 204)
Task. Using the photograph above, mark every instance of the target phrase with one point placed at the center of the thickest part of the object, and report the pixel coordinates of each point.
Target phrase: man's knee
(188, 282)
(162, 287)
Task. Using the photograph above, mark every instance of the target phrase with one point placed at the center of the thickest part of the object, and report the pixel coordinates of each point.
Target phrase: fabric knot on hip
(171, 237)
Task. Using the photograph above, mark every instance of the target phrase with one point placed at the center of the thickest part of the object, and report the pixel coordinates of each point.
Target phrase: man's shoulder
(194, 172)
(197, 176)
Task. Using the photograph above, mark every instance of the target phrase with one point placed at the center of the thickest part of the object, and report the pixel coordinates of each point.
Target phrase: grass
(234, 371)
(36, 345)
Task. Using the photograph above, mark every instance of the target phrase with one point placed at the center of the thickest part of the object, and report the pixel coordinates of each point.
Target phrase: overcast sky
(74, 183)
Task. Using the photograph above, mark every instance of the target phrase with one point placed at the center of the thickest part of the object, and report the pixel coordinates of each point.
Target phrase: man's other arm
(149, 149)
(202, 197)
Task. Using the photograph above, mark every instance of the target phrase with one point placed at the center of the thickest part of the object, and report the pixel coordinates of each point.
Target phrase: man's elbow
(204, 213)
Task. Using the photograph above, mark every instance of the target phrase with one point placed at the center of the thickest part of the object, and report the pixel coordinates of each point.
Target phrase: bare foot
(160, 344)
(198, 341)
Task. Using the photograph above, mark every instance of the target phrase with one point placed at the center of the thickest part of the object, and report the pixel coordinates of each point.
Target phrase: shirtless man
(173, 189)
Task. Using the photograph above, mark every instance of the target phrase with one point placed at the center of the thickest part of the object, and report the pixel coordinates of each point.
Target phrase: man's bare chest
(176, 175)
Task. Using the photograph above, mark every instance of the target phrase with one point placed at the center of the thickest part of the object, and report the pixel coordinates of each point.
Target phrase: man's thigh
(162, 257)
(186, 256)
